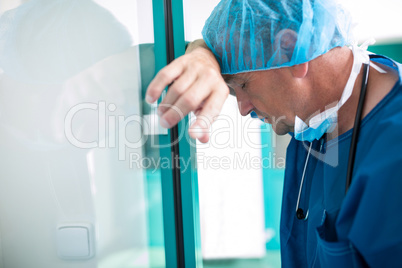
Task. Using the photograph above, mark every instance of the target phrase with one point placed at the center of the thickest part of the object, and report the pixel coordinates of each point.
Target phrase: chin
(281, 129)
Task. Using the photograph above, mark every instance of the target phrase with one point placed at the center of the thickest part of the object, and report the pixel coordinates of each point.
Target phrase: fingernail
(149, 99)
(159, 113)
(164, 123)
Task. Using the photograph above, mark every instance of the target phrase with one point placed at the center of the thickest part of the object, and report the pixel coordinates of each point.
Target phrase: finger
(198, 111)
(191, 100)
(162, 79)
(200, 129)
(178, 88)
(208, 114)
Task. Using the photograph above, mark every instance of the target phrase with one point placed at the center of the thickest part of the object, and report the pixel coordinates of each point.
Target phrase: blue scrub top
(363, 228)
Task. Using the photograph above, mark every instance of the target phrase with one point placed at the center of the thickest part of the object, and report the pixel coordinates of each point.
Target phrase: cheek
(262, 106)
(269, 96)
(267, 105)
(262, 100)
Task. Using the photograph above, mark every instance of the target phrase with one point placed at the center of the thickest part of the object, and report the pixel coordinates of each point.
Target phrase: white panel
(195, 14)
(230, 187)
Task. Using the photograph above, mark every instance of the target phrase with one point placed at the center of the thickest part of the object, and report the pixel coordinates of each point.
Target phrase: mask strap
(360, 56)
(365, 46)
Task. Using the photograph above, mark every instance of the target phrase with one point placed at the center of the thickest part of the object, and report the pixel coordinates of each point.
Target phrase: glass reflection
(73, 189)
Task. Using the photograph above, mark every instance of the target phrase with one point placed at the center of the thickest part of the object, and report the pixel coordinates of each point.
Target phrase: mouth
(265, 119)
(268, 120)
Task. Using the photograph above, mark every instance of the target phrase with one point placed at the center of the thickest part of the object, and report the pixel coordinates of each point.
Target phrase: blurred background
(100, 205)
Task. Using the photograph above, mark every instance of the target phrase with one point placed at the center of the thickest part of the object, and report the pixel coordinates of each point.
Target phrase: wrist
(206, 55)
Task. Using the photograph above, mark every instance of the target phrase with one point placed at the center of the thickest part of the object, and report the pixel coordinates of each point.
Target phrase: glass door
(240, 178)
(86, 173)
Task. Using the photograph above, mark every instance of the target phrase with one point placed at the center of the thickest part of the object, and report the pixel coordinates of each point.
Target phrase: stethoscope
(352, 152)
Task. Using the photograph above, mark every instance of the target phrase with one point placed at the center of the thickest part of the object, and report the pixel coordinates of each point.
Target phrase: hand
(196, 85)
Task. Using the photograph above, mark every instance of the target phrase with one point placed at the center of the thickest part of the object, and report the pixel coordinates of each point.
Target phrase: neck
(347, 113)
(329, 75)
(378, 86)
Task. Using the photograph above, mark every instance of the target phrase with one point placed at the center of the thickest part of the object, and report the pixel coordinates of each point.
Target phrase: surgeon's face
(272, 94)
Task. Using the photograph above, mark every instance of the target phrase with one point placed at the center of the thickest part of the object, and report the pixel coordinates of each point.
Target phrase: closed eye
(244, 86)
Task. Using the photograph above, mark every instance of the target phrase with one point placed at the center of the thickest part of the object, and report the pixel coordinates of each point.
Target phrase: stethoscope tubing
(353, 145)
(356, 127)
(299, 211)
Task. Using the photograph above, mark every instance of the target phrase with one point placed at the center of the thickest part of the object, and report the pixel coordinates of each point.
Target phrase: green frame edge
(187, 150)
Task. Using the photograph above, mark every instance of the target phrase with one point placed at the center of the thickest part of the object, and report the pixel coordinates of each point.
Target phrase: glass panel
(240, 176)
(79, 180)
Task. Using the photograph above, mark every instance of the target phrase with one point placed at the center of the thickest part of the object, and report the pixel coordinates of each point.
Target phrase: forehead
(241, 78)
(237, 79)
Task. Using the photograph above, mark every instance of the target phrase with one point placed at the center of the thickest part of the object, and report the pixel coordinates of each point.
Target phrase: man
(288, 62)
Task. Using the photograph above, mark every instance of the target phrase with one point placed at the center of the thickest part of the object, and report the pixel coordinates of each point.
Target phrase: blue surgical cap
(250, 35)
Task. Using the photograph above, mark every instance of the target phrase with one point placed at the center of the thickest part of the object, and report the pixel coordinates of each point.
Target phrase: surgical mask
(326, 121)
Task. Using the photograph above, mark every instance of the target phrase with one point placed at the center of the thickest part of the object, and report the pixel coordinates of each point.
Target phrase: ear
(285, 42)
(299, 70)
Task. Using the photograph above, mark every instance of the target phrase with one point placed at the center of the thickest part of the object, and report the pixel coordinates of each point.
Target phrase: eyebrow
(228, 78)
(237, 80)
(231, 79)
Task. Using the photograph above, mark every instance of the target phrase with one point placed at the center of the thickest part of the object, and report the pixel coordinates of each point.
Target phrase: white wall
(8, 4)
(374, 18)
(195, 14)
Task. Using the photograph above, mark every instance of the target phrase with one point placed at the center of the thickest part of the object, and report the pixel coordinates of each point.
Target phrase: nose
(245, 105)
